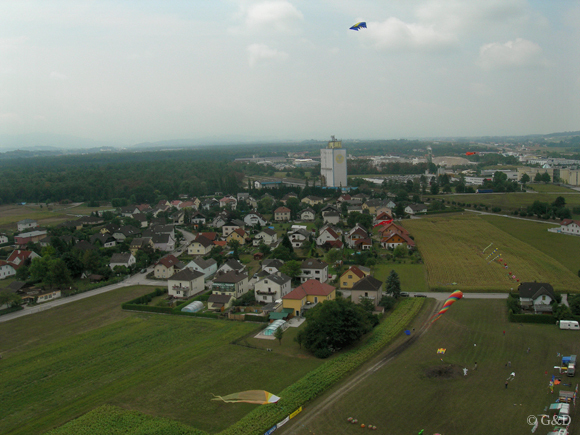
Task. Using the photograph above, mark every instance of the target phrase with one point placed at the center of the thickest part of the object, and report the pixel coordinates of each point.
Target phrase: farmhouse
(185, 283)
(307, 295)
(536, 296)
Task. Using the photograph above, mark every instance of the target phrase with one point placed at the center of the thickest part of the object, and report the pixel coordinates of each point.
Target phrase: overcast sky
(135, 71)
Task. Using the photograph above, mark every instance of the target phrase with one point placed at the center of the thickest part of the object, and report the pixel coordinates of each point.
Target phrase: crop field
(417, 390)
(452, 248)
(549, 188)
(10, 214)
(511, 201)
(561, 247)
(412, 276)
(166, 366)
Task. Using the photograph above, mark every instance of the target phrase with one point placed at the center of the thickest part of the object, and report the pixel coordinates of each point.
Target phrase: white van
(569, 324)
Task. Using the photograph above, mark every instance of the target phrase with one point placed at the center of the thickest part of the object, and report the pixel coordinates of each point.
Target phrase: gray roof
(272, 263)
(368, 283)
(278, 279)
(534, 289)
(161, 238)
(232, 276)
(203, 241)
(219, 299)
(204, 264)
(186, 275)
(234, 264)
(120, 258)
(313, 263)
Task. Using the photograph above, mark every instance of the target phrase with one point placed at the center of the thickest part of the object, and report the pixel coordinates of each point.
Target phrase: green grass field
(412, 276)
(452, 246)
(401, 399)
(561, 247)
(61, 363)
(550, 188)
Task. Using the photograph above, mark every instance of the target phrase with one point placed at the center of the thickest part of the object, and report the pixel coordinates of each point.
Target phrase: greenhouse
(193, 307)
(273, 326)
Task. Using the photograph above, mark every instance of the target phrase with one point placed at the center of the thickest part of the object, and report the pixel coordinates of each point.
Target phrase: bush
(496, 209)
(532, 318)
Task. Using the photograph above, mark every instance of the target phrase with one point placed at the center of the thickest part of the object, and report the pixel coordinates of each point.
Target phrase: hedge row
(140, 303)
(10, 310)
(447, 210)
(532, 318)
(253, 318)
(326, 375)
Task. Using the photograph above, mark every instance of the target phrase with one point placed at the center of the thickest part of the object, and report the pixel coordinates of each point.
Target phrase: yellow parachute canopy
(259, 397)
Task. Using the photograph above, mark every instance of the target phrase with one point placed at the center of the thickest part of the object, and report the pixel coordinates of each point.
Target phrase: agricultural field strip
(451, 247)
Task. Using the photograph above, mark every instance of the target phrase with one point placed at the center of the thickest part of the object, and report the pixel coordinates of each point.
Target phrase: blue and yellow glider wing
(358, 26)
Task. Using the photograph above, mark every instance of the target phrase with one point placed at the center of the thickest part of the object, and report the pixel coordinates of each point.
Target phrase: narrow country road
(137, 279)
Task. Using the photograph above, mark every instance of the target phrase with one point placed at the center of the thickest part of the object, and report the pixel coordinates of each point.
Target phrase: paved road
(137, 279)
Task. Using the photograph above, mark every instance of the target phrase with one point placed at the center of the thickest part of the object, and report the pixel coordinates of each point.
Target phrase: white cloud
(261, 52)
(519, 53)
(394, 35)
(55, 75)
(278, 15)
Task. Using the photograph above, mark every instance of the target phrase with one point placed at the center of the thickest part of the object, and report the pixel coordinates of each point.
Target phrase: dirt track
(311, 411)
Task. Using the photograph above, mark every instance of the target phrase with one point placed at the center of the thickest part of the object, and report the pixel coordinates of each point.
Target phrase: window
(344, 283)
(366, 294)
(350, 277)
(315, 299)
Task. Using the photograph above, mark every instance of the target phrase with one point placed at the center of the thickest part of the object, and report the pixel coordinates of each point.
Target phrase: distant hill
(49, 142)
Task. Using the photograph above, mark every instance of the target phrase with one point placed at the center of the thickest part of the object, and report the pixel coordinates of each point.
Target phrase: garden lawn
(561, 247)
(412, 276)
(452, 248)
(165, 366)
(549, 188)
(400, 398)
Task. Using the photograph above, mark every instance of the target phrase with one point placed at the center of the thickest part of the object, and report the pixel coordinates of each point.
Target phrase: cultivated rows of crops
(452, 248)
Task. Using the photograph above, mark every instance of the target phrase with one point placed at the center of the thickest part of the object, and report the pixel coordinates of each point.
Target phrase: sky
(142, 71)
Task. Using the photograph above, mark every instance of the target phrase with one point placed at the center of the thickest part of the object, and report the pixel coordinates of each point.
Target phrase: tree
(367, 304)
(574, 302)
(235, 245)
(393, 284)
(434, 189)
(293, 204)
(525, 179)
(279, 334)
(11, 299)
(333, 325)
(538, 177)
(333, 256)
(546, 177)
(283, 253)
(400, 251)
(264, 249)
(561, 312)
(291, 268)
(559, 202)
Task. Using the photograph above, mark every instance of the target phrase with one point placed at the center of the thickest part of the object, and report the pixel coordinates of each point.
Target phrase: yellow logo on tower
(339, 158)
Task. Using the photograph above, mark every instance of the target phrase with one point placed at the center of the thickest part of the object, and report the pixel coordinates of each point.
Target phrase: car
(404, 294)
(420, 296)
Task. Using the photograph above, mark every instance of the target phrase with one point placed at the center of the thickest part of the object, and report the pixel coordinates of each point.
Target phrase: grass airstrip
(416, 390)
(452, 245)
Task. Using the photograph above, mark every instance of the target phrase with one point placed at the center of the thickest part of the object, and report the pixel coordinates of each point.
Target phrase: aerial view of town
(273, 216)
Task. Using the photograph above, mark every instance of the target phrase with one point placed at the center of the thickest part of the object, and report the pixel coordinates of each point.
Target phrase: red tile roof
(311, 287)
(220, 242)
(210, 236)
(282, 210)
(355, 270)
(168, 261)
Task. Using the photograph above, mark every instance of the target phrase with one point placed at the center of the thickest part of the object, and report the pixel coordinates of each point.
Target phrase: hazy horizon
(147, 71)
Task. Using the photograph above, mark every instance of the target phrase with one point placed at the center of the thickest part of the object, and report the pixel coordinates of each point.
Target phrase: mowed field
(10, 214)
(412, 392)
(452, 246)
(412, 276)
(61, 363)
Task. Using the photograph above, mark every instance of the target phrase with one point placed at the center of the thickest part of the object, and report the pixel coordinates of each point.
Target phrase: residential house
(353, 275)
(232, 283)
(343, 197)
(384, 209)
(312, 200)
(307, 295)
(271, 288)
(105, 240)
(372, 204)
(198, 218)
(228, 201)
(382, 217)
(163, 242)
(26, 224)
(83, 245)
(354, 209)
(415, 209)
(23, 239)
(3, 239)
(327, 235)
(367, 288)
(229, 227)
(298, 237)
(219, 221)
(207, 267)
(363, 244)
(239, 235)
(282, 214)
(166, 266)
(178, 218)
(38, 296)
(312, 268)
(126, 232)
(243, 196)
(142, 219)
(187, 205)
(307, 215)
(253, 218)
(185, 283)
(90, 220)
(266, 236)
(536, 296)
(393, 239)
(200, 246)
(331, 217)
(6, 269)
(329, 207)
(569, 226)
(356, 233)
(19, 257)
(210, 235)
(272, 266)
(140, 243)
(210, 203)
(390, 204)
(231, 265)
(219, 302)
(124, 259)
